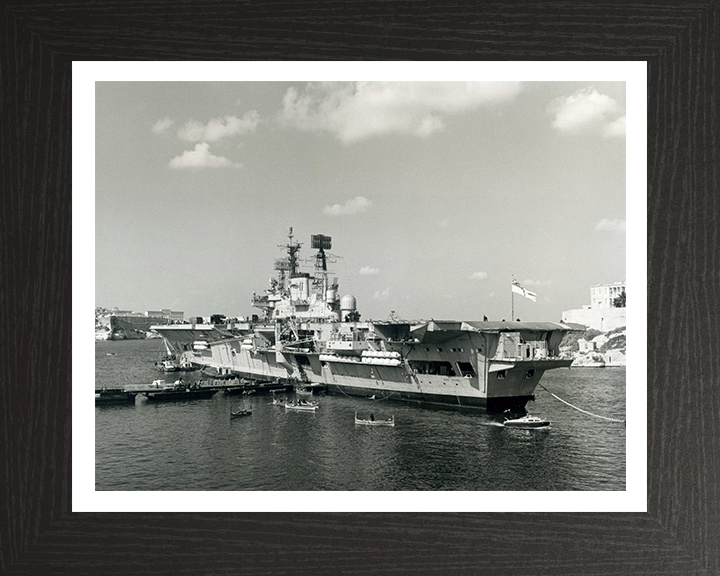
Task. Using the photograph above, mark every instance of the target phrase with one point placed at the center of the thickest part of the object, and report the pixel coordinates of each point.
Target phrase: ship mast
(293, 248)
(321, 243)
(287, 267)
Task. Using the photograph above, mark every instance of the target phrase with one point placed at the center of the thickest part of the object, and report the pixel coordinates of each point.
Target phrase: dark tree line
(619, 302)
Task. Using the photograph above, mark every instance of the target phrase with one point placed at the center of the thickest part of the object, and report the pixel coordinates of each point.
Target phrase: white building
(600, 314)
(166, 313)
(603, 295)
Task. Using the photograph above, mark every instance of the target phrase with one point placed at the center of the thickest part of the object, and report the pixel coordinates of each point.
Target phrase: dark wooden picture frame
(681, 530)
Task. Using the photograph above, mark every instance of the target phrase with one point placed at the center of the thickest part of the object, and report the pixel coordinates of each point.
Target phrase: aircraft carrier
(306, 333)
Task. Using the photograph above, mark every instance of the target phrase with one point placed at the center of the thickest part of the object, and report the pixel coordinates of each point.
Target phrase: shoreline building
(601, 314)
(126, 323)
(166, 313)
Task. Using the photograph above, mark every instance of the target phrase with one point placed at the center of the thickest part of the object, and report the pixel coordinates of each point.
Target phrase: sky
(436, 194)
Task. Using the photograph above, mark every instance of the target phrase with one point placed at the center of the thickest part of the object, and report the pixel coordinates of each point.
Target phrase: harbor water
(194, 445)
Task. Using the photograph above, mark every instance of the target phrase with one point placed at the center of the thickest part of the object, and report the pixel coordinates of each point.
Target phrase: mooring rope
(579, 409)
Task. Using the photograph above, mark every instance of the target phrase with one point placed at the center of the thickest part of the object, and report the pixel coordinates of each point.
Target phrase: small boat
(372, 422)
(199, 345)
(167, 362)
(186, 366)
(526, 421)
(239, 413)
(166, 366)
(301, 405)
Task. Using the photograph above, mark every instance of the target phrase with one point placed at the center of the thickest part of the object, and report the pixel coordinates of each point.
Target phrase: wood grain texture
(680, 534)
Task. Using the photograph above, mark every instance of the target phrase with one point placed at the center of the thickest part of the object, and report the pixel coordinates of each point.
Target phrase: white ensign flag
(520, 290)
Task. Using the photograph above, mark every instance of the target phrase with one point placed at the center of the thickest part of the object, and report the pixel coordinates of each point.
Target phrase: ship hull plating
(493, 405)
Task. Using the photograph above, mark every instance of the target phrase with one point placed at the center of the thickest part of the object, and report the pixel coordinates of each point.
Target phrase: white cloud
(368, 271)
(162, 125)
(200, 157)
(584, 109)
(355, 206)
(478, 275)
(384, 295)
(217, 128)
(616, 226)
(491, 295)
(444, 223)
(530, 282)
(355, 111)
(616, 128)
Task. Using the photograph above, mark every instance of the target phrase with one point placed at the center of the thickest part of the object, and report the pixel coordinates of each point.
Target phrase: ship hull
(493, 405)
(493, 366)
(502, 385)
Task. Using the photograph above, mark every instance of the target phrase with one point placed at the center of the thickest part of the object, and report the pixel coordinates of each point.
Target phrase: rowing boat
(302, 405)
(372, 422)
(239, 413)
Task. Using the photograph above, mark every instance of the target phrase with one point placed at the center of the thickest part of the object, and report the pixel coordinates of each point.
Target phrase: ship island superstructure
(307, 334)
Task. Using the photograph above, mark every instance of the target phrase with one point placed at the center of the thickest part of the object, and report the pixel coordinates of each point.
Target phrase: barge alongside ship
(309, 335)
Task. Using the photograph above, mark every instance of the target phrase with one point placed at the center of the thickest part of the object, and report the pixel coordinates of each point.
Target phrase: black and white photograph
(360, 286)
(358, 274)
